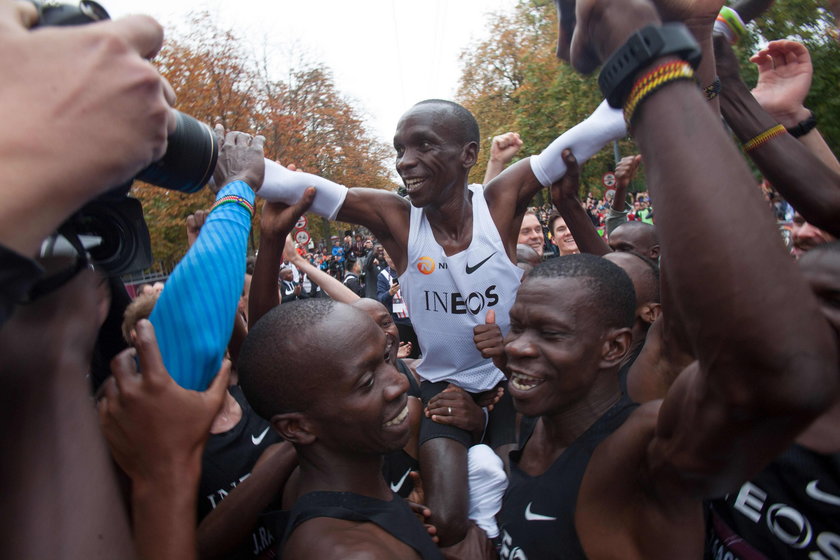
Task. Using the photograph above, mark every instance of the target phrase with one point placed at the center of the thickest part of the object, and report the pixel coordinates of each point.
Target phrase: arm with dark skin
(809, 184)
(624, 173)
(333, 288)
(235, 517)
(766, 368)
(564, 195)
(156, 431)
(276, 223)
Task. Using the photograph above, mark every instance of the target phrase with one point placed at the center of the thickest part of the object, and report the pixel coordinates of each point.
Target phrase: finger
(26, 14)
(191, 222)
(292, 167)
(219, 130)
(302, 205)
(151, 362)
(142, 33)
(778, 59)
(258, 142)
(123, 367)
(571, 164)
(200, 217)
(490, 319)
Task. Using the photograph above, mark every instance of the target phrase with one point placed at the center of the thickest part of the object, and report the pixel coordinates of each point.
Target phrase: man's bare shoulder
(327, 538)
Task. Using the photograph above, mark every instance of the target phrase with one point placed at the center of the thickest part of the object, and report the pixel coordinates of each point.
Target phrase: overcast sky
(385, 54)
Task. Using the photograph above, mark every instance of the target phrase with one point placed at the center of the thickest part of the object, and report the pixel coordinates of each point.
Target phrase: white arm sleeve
(584, 139)
(282, 185)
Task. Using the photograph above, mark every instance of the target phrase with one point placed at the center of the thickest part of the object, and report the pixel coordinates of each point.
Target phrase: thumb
(491, 317)
(302, 205)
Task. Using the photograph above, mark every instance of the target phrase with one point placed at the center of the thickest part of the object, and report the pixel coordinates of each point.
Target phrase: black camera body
(115, 217)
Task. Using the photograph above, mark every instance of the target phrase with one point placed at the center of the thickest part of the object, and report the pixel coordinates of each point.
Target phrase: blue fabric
(194, 316)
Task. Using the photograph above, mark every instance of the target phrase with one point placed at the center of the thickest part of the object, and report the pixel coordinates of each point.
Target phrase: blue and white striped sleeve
(194, 316)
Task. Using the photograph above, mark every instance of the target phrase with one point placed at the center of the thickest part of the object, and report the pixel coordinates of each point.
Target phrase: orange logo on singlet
(426, 265)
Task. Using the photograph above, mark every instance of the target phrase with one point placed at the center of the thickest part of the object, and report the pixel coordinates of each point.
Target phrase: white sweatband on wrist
(282, 185)
(487, 483)
(585, 140)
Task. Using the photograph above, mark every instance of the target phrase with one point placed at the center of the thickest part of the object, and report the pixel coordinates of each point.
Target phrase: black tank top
(394, 517)
(791, 509)
(537, 519)
(227, 460)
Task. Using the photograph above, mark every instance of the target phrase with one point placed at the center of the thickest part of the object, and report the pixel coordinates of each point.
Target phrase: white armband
(282, 185)
(584, 139)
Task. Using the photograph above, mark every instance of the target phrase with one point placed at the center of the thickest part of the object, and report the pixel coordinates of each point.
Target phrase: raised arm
(804, 171)
(276, 222)
(624, 173)
(332, 287)
(564, 195)
(766, 368)
(509, 194)
(194, 318)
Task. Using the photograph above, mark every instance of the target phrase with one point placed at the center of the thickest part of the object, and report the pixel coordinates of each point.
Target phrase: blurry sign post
(608, 180)
(302, 237)
(301, 223)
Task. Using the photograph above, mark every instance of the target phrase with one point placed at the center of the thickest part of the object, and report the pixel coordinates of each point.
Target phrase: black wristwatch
(804, 127)
(643, 47)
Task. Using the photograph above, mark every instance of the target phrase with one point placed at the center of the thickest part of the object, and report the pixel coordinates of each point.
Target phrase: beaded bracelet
(233, 199)
(654, 80)
(712, 90)
(768, 134)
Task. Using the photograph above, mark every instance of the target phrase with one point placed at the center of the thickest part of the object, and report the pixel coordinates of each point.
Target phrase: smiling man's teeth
(399, 418)
(412, 183)
(523, 382)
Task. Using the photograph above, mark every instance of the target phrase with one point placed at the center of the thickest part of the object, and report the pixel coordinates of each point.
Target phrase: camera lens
(125, 245)
(189, 160)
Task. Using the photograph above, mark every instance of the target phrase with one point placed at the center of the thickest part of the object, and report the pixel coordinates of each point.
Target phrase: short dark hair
(271, 367)
(469, 126)
(612, 290)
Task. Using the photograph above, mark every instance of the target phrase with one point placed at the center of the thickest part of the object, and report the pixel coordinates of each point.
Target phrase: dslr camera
(111, 226)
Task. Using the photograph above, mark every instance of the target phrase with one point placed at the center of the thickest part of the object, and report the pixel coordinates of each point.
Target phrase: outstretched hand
(455, 407)
(240, 159)
(153, 426)
(784, 79)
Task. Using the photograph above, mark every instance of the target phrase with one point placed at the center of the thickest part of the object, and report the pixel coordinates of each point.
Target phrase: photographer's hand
(240, 159)
(94, 110)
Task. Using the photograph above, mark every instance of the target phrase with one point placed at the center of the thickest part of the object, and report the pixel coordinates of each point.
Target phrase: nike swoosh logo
(471, 269)
(396, 487)
(530, 516)
(256, 440)
(821, 496)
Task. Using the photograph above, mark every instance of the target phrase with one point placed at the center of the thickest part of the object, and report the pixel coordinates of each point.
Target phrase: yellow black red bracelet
(233, 199)
(765, 136)
(653, 80)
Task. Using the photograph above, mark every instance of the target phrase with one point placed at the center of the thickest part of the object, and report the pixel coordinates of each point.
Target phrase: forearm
(264, 296)
(232, 520)
(494, 167)
(614, 219)
(586, 237)
(584, 140)
(194, 316)
(383, 293)
(164, 515)
(333, 288)
(761, 331)
(282, 185)
(811, 186)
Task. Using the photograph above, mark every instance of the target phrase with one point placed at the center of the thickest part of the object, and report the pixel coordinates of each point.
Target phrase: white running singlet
(449, 295)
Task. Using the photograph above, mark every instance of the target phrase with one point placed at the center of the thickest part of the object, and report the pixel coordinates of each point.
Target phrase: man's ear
(615, 348)
(469, 155)
(653, 253)
(294, 427)
(650, 312)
